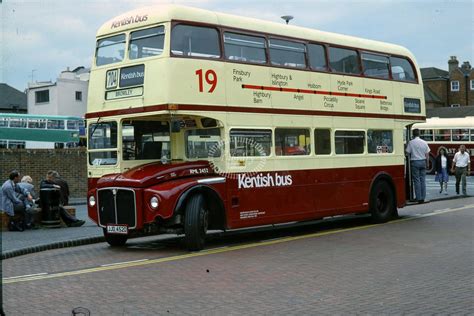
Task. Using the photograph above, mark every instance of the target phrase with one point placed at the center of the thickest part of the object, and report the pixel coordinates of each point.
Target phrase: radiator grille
(116, 206)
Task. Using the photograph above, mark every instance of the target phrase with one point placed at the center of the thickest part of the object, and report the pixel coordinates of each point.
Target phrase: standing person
(442, 165)
(461, 168)
(419, 157)
(52, 182)
(11, 204)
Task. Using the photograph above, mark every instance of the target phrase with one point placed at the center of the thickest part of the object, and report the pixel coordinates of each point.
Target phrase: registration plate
(117, 229)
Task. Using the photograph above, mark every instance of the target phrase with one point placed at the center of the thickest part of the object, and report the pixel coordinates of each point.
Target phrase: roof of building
(433, 73)
(431, 96)
(448, 112)
(11, 98)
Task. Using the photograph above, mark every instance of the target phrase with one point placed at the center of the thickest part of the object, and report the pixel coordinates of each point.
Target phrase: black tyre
(115, 240)
(196, 221)
(382, 202)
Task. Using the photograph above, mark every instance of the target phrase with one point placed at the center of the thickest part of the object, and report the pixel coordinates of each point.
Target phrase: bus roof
(446, 123)
(143, 17)
(34, 116)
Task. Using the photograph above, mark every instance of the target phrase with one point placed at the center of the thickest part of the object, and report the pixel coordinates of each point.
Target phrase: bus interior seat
(152, 150)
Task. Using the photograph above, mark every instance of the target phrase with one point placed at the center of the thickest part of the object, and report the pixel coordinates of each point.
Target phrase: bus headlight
(154, 202)
(91, 201)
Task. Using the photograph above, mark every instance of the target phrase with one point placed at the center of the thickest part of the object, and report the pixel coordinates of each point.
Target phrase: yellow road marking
(218, 250)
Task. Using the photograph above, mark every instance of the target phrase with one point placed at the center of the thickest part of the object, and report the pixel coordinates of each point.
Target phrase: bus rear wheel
(382, 202)
(115, 240)
(196, 221)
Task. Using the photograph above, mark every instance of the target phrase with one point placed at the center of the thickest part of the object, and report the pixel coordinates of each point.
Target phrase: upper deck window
(286, 53)
(244, 48)
(375, 66)
(344, 60)
(195, 41)
(146, 43)
(110, 50)
(402, 69)
(317, 57)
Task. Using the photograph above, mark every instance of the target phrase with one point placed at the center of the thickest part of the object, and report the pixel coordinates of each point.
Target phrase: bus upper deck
(265, 66)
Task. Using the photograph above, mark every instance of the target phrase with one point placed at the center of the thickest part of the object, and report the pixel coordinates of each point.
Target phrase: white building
(67, 96)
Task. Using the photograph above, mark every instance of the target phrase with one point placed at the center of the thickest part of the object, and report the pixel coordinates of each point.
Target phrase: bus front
(142, 152)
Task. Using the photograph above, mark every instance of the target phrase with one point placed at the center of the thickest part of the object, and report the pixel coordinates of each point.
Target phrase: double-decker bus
(200, 120)
(447, 133)
(40, 131)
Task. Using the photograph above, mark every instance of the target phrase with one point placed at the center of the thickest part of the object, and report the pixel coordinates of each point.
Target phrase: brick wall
(70, 163)
(458, 97)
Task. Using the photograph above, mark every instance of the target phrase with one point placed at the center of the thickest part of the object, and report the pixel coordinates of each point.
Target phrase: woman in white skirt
(442, 165)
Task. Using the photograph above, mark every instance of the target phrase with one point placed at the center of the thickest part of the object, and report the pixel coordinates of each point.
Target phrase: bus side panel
(305, 194)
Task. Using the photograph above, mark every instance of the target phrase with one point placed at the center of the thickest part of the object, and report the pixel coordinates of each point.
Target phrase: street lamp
(287, 18)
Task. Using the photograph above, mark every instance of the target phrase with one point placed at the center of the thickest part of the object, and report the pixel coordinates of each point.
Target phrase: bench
(36, 217)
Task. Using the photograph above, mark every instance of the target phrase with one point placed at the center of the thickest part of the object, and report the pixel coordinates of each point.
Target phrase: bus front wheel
(382, 202)
(196, 220)
(115, 240)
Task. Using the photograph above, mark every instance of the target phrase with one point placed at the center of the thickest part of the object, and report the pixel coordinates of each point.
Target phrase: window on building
(42, 96)
(286, 53)
(292, 142)
(349, 142)
(375, 66)
(402, 69)
(344, 60)
(379, 141)
(317, 57)
(322, 141)
(455, 85)
(146, 43)
(472, 84)
(250, 142)
(78, 95)
(245, 48)
(195, 41)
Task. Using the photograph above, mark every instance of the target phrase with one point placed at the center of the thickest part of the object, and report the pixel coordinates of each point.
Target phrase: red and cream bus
(199, 120)
(447, 133)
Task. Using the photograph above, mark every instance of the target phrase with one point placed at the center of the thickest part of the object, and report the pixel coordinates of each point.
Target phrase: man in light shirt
(461, 168)
(419, 153)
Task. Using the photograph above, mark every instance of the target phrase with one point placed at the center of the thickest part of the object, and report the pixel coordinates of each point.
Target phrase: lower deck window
(349, 142)
(379, 141)
(250, 142)
(203, 143)
(292, 142)
(144, 140)
(322, 141)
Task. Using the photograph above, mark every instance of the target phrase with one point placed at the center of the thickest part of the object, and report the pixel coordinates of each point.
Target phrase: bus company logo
(264, 181)
(129, 20)
(242, 145)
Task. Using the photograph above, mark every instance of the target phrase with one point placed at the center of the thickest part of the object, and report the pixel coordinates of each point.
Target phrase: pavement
(21, 243)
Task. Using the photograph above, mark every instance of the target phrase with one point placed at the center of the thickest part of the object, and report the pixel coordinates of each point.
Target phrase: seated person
(26, 184)
(54, 181)
(12, 205)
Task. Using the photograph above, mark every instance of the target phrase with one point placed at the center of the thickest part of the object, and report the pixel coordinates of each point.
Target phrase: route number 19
(211, 79)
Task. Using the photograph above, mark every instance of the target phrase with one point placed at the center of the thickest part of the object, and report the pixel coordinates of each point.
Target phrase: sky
(41, 38)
